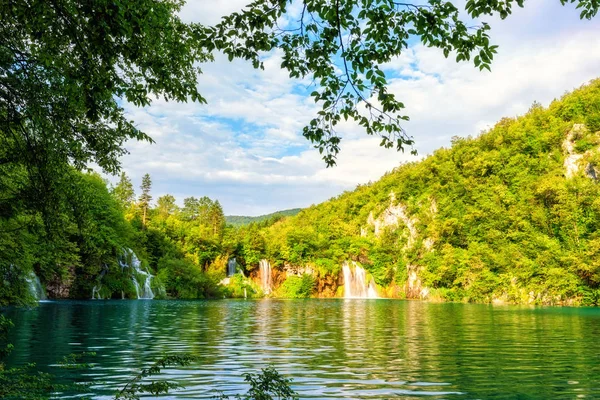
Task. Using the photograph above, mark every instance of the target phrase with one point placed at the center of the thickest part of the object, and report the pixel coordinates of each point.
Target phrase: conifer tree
(145, 197)
(123, 192)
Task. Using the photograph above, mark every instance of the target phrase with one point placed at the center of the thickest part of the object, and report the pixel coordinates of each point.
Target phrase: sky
(245, 147)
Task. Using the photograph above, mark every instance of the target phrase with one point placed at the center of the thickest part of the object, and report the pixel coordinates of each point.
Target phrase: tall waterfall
(266, 281)
(231, 266)
(355, 283)
(35, 286)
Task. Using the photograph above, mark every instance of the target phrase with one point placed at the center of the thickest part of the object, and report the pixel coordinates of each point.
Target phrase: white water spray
(35, 286)
(231, 266)
(142, 291)
(355, 283)
(266, 280)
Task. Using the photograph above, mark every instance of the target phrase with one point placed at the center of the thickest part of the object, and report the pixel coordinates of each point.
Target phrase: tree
(341, 45)
(217, 219)
(145, 197)
(63, 81)
(190, 208)
(123, 192)
(166, 206)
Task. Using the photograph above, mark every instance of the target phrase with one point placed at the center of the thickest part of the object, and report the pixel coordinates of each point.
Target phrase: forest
(509, 216)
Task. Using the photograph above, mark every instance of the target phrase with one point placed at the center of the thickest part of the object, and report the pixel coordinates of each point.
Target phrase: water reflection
(332, 348)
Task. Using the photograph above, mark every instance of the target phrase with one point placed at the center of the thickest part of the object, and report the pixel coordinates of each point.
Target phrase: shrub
(296, 287)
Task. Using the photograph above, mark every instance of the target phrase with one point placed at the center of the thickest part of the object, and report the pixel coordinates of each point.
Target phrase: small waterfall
(231, 266)
(96, 292)
(266, 280)
(145, 291)
(130, 260)
(96, 289)
(35, 287)
(355, 283)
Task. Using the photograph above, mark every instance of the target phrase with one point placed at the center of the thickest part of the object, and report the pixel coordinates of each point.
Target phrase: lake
(369, 349)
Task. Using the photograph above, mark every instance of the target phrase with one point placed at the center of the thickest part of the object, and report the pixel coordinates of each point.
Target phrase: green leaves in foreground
(343, 48)
(266, 385)
(135, 387)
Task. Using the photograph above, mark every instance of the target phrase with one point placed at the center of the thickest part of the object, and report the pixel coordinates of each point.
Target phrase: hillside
(511, 216)
(240, 220)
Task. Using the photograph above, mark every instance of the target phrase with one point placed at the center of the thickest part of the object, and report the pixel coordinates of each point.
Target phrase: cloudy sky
(245, 147)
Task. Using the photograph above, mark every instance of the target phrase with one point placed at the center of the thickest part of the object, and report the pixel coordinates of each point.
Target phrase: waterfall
(265, 276)
(355, 283)
(145, 291)
(231, 266)
(129, 260)
(35, 286)
(96, 292)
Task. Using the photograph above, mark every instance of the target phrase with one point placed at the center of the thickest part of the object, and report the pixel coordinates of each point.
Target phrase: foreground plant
(266, 385)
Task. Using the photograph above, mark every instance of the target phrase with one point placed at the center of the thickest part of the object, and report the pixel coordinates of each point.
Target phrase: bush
(184, 280)
(296, 287)
(592, 122)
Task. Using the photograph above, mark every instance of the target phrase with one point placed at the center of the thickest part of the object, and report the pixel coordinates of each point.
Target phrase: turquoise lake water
(352, 349)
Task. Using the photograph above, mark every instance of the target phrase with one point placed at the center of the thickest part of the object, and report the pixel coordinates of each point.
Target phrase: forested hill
(512, 215)
(239, 220)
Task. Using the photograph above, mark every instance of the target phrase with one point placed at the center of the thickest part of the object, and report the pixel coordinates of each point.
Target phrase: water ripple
(375, 349)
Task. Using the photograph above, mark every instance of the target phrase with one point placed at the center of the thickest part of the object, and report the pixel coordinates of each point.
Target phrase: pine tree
(124, 192)
(145, 197)
(217, 219)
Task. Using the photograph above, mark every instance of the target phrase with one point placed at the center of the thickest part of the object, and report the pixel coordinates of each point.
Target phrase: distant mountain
(240, 220)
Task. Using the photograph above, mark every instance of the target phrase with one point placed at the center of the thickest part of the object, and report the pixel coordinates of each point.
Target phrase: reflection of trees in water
(349, 347)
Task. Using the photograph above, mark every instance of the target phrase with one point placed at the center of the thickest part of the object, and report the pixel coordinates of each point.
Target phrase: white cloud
(245, 147)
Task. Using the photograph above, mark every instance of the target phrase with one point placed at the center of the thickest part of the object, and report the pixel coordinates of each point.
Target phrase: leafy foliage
(343, 46)
(297, 287)
(266, 385)
(137, 386)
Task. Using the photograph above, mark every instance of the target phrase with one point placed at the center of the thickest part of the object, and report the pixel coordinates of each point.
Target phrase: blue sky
(245, 147)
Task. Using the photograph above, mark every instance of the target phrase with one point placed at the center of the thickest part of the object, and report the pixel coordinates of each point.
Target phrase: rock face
(391, 216)
(574, 161)
(396, 215)
(327, 286)
(414, 287)
(571, 158)
(59, 288)
(297, 270)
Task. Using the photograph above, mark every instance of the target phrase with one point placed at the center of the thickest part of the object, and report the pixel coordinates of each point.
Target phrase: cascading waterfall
(266, 280)
(355, 283)
(129, 260)
(145, 291)
(231, 266)
(35, 286)
(96, 289)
